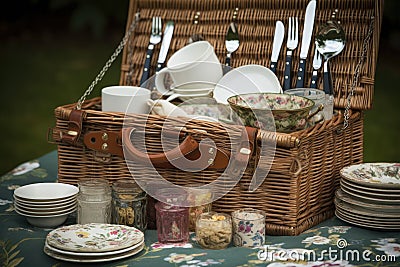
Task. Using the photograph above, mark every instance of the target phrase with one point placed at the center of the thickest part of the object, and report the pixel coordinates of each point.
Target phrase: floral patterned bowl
(289, 112)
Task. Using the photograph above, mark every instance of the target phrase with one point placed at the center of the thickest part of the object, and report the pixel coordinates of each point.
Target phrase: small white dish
(45, 191)
(244, 80)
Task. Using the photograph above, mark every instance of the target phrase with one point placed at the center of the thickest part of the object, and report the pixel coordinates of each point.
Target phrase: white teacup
(128, 99)
(195, 66)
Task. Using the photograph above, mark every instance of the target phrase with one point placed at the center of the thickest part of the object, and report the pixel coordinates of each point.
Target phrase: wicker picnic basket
(299, 189)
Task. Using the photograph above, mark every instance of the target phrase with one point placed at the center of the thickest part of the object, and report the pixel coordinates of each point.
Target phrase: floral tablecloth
(332, 243)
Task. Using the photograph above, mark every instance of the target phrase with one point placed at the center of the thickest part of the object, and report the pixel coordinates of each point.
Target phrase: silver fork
(155, 38)
(291, 44)
(317, 62)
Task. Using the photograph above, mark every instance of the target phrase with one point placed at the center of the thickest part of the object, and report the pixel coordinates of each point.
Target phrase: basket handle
(189, 154)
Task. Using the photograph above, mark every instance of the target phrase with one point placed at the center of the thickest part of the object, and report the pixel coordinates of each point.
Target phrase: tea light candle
(248, 227)
(214, 230)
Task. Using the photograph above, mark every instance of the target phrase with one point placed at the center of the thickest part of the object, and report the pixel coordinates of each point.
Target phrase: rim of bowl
(46, 191)
(230, 99)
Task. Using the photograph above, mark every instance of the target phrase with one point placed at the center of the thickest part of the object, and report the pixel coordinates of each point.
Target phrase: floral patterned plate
(375, 175)
(93, 254)
(70, 258)
(94, 237)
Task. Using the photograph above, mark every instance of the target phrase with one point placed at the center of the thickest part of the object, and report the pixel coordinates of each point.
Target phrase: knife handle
(314, 79)
(287, 76)
(159, 67)
(301, 74)
(147, 63)
(273, 66)
(228, 60)
(327, 80)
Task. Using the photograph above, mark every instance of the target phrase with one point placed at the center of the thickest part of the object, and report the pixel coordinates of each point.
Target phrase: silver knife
(277, 44)
(305, 42)
(169, 30)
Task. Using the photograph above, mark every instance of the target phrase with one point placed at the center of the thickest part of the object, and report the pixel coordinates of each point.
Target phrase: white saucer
(246, 79)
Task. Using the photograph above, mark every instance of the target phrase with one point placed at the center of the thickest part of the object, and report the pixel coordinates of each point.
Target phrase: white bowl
(50, 203)
(45, 191)
(45, 209)
(51, 221)
(25, 212)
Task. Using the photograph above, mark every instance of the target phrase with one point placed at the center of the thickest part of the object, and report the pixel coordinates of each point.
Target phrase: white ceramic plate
(384, 191)
(94, 237)
(376, 175)
(370, 199)
(45, 210)
(45, 191)
(368, 193)
(93, 254)
(387, 208)
(365, 224)
(374, 215)
(70, 258)
(246, 79)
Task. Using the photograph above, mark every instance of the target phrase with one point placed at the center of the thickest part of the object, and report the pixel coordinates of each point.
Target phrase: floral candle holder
(214, 230)
(248, 227)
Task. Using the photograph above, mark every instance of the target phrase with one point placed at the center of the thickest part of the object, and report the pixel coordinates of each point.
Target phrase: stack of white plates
(369, 195)
(94, 242)
(45, 204)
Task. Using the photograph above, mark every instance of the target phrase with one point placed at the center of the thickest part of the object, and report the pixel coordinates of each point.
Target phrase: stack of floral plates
(369, 195)
(45, 204)
(94, 242)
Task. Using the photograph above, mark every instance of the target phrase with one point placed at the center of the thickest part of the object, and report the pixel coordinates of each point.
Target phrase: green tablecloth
(332, 243)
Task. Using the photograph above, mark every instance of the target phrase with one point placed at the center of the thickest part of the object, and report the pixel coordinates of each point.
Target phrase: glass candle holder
(129, 204)
(94, 201)
(199, 200)
(248, 227)
(214, 230)
(172, 223)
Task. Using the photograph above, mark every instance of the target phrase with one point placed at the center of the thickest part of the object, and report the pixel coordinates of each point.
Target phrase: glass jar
(94, 201)
(248, 227)
(199, 199)
(129, 204)
(172, 223)
(214, 230)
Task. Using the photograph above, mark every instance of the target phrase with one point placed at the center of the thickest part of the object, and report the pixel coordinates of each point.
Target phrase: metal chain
(357, 73)
(109, 62)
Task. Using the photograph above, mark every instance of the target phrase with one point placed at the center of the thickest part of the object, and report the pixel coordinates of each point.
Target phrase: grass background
(50, 51)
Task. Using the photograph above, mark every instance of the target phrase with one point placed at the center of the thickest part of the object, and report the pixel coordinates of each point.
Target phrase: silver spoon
(330, 41)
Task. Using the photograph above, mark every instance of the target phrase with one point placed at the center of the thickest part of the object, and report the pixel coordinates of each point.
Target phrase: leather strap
(196, 156)
(74, 127)
(246, 149)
